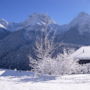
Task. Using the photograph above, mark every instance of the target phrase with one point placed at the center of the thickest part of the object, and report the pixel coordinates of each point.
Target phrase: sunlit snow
(19, 80)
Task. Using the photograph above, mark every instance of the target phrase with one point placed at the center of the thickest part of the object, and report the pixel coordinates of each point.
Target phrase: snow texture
(20, 80)
(1, 26)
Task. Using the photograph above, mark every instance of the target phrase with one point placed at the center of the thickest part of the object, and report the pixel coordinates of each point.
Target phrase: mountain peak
(82, 21)
(81, 14)
(81, 18)
(3, 23)
(40, 19)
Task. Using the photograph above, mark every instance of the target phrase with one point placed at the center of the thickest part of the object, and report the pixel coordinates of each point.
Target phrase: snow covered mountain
(40, 19)
(3, 29)
(3, 23)
(39, 36)
(34, 19)
(78, 30)
(2, 26)
(82, 22)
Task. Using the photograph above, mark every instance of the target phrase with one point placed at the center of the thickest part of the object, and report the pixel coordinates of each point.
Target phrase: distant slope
(3, 33)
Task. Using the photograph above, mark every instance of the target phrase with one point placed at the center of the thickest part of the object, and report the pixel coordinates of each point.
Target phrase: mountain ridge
(38, 40)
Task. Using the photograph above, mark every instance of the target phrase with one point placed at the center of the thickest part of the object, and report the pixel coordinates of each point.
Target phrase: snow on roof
(82, 53)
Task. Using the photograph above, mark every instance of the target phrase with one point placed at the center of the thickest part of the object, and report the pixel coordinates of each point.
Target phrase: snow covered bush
(63, 64)
(85, 68)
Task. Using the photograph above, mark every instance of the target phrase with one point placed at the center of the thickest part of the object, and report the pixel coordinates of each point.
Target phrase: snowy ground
(15, 80)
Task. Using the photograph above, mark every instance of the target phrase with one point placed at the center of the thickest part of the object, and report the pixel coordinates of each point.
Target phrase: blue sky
(62, 11)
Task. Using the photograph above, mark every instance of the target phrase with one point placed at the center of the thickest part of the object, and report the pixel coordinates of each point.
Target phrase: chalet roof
(82, 53)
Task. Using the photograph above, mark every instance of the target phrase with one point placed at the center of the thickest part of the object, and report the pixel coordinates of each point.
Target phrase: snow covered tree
(63, 64)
